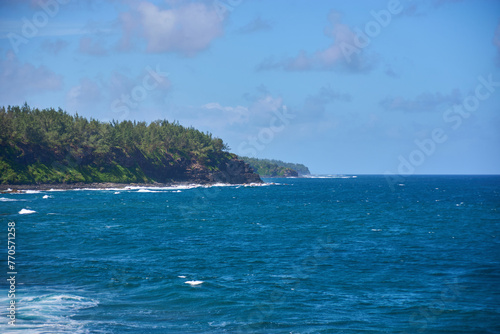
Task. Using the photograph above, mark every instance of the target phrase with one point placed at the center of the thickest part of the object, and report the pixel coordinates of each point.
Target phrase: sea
(326, 254)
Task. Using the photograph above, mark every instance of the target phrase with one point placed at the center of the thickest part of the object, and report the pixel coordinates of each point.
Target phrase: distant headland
(276, 168)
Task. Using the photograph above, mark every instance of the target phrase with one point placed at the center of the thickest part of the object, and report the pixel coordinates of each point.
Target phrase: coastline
(13, 188)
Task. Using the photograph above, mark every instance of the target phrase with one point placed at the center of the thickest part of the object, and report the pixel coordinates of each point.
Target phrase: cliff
(52, 147)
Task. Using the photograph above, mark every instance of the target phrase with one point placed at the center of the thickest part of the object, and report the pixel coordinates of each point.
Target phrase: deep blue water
(343, 255)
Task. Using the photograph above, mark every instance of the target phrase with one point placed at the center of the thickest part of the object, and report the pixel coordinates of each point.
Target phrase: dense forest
(51, 146)
(276, 168)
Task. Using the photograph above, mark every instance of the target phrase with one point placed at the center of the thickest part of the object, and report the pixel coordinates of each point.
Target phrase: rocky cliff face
(52, 147)
(233, 171)
(133, 168)
(290, 173)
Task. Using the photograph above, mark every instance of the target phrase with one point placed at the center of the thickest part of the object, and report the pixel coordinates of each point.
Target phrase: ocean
(305, 255)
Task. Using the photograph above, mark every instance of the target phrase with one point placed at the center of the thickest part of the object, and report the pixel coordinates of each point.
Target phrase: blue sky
(345, 87)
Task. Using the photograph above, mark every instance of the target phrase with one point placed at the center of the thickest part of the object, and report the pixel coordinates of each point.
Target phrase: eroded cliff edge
(52, 148)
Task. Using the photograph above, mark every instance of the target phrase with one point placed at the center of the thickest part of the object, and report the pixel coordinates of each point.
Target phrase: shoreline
(12, 188)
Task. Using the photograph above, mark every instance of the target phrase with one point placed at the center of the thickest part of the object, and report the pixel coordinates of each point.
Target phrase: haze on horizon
(365, 87)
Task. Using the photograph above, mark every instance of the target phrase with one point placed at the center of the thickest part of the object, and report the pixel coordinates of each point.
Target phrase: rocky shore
(233, 172)
(13, 188)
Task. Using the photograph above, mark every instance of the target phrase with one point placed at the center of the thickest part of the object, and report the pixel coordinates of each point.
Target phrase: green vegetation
(51, 146)
(276, 168)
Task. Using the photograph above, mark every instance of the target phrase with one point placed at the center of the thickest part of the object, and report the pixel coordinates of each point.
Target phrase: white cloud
(119, 96)
(54, 47)
(229, 121)
(255, 115)
(340, 55)
(423, 102)
(187, 28)
(215, 105)
(496, 42)
(91, 47)
(258, 24)
(23, 79)
(315, 105)
(83, 96)
(231, 115)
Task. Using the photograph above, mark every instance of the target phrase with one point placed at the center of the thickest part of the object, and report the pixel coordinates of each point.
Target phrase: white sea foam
(32, 191)
(75, 302)
(264, 184)
(51, 313)
(26, 212)
(191, 186)
(177, 188)
(101, 189)
(194, 283)
(156, 189)
(220, 184)
(5, 199)
(111, 226)
(329, 176)
(152, 189)
(147, 191)
(46, 196)
(219, 324)
(182, 276)
(194, 186)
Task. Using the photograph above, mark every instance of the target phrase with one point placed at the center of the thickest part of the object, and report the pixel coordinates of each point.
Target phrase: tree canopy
(275, 168)
(52, 146)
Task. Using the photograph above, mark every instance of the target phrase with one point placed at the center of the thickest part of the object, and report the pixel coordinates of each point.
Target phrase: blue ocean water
(318, 255)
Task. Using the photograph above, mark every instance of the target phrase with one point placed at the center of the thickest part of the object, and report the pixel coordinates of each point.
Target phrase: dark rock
(235, 172)
(290, 173)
